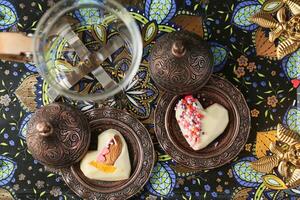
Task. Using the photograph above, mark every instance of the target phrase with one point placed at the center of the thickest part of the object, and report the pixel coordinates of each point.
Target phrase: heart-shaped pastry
(111, 161)
(200, 126)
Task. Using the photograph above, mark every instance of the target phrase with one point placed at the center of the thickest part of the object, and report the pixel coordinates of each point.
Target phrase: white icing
(122, 164)
(214, 123)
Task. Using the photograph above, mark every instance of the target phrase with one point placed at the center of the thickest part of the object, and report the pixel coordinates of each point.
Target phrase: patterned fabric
(267, 84)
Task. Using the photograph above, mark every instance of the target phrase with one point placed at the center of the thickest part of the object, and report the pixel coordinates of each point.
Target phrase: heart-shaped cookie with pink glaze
(200, 126)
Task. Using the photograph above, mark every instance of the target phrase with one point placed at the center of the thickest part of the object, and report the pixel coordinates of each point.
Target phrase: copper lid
(181, 62)
(58, 135)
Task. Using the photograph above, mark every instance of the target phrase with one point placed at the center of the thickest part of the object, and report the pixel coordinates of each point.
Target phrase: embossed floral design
(272, 101)
(5, 100)
(240, 72)
(251, 67)
(55, 191)
(243, 61)
(254, 112)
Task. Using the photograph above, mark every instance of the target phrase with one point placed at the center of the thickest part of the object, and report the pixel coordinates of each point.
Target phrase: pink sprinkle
(189, 98)
(190, 119)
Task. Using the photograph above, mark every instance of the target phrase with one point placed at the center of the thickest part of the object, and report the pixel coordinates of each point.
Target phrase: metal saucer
(223, 149)
(141, 152)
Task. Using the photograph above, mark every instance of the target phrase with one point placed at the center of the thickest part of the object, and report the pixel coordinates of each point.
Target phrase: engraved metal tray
(223, 149)
(141, 152)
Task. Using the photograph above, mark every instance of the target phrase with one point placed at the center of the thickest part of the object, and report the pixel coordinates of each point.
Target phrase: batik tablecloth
(268, 85)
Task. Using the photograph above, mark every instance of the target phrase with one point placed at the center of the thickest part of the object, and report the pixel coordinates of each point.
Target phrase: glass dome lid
(87, 50)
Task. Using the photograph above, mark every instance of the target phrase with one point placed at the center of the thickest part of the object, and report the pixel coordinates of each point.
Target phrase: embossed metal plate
(222, 150)
(141, 153)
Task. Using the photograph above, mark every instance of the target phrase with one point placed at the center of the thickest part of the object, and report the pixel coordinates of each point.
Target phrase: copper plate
(226, 147)
(141, 152)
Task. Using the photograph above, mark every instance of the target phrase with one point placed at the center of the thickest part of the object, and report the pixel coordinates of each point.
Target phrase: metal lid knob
(178, 49)
(45, 129)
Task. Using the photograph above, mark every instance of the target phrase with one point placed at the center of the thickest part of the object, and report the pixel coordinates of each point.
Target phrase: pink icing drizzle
(104, 151)
(100, 158)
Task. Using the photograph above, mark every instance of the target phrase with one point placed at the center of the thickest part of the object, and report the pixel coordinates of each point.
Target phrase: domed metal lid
(58, 135)
(181, 62)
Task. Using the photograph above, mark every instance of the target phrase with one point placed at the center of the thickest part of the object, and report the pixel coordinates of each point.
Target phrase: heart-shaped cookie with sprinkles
(200, 126)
